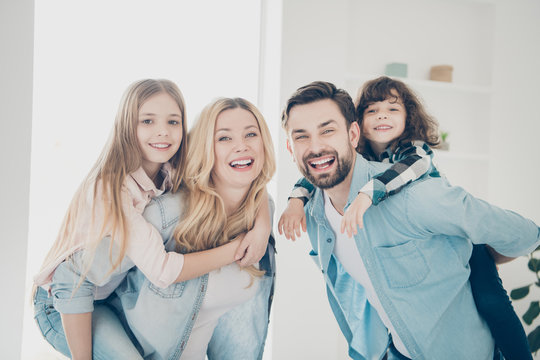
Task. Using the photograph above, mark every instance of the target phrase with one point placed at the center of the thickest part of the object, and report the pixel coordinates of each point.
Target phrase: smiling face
(320, 142)
(159, 131)
(238, 149)
(383, 122)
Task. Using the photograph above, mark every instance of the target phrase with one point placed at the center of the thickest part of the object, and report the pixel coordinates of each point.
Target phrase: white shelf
(479, 89)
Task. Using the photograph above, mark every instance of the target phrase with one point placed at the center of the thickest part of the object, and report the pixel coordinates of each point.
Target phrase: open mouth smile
(322, 163)
(160, 146)
(242, 163)
(383, 127)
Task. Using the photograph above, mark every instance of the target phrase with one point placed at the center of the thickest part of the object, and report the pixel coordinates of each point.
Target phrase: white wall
(16, 42)
(314, 39)
(515, 129)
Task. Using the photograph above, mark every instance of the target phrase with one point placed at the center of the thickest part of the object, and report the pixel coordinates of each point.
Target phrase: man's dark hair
(320, 90)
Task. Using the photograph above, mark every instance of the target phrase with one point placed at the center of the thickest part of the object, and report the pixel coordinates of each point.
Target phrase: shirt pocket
(171, 291)
(403, 265)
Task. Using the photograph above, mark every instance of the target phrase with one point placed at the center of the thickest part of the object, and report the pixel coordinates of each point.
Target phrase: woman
(223, 314)
(104, 233)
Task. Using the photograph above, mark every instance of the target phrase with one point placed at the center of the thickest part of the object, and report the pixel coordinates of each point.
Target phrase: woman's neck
(232, 197)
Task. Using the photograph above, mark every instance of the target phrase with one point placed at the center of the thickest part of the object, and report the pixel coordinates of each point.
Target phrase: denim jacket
(162, 319)
(416, 247)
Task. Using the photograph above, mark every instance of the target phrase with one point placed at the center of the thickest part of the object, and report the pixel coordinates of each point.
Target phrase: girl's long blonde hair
(120, 157)
(205, 224)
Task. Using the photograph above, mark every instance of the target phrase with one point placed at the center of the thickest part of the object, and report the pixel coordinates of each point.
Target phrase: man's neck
(340, 193)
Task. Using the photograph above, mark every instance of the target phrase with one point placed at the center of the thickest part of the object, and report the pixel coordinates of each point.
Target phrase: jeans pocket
(172, 291)
(403, 265)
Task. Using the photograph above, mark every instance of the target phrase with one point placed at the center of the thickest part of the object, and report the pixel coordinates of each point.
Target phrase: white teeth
(383, 127)
(321, 161)
(160, 146)
(241, 162)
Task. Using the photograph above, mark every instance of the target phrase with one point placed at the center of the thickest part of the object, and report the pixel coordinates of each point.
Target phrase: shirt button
(322, 270)
(328, 240)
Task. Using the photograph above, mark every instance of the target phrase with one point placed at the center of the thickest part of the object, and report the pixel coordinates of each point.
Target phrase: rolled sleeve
(67, 297)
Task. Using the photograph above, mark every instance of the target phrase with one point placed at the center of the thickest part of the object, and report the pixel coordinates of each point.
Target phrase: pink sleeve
(145, 246)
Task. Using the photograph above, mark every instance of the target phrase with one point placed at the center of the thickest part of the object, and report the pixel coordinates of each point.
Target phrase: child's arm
(293, 217)
(253, 247)
(410, 163)
(202, 262)
(73, 298)
(162, 268)
(78, 330)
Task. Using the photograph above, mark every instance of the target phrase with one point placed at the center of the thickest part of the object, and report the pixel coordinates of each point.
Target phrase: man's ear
(354, 134)
(289, 148)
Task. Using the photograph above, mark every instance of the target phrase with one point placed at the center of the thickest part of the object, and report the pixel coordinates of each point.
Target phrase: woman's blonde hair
(205, 224)
(120, 157)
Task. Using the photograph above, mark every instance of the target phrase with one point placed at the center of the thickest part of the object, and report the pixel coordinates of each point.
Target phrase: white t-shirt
(347, 254)
(227, 287)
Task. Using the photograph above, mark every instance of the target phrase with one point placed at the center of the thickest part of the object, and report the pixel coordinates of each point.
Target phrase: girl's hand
(354, 215)
(252, 247)
(292, 219)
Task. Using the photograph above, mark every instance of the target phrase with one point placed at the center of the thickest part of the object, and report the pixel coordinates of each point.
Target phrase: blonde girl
(104, 233)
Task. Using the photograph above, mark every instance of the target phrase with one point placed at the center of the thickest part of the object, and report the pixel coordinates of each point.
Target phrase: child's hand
(355, 214)
(252, 247)
(292, 219)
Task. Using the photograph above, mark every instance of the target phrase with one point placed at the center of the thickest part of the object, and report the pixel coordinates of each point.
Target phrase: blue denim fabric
(495, 306)
(109, 338)
(416, 247)
(65, 300)
(162, 319)
(241, 332)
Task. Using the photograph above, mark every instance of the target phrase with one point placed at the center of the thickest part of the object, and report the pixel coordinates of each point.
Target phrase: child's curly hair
(419, 125)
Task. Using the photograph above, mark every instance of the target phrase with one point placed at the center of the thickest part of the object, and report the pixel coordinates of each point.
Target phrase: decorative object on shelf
(444, 144)
(534, 308)
(441, 73)
(396, 69)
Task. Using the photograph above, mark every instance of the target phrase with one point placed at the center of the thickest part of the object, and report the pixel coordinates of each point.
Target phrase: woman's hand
(292, 220)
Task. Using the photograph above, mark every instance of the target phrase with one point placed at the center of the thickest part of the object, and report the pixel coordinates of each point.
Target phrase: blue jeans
(495, 306)
(109, 338)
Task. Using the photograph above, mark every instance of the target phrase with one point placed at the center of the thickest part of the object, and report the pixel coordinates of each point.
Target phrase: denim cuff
(74, 305)
(70, 295)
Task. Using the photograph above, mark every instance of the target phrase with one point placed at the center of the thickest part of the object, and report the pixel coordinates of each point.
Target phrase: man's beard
(327, 180)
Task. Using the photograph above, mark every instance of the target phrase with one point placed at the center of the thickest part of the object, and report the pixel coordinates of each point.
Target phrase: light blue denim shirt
(162, 319)
(416, 247)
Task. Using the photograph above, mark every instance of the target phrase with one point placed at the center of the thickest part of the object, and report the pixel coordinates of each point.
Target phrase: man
(402, 283)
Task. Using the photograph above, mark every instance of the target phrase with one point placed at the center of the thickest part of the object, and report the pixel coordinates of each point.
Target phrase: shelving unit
(462, 107)
(464, 112)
